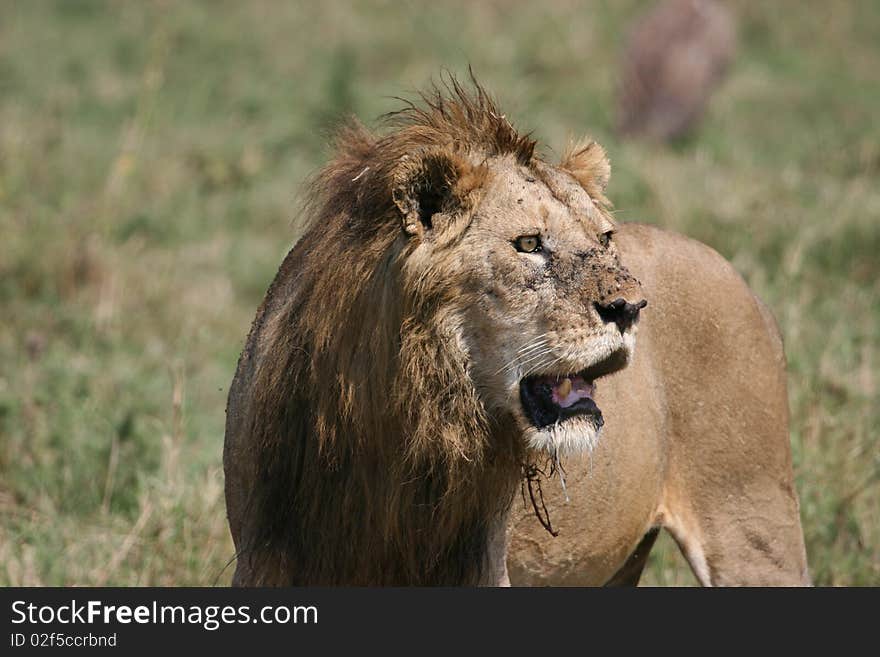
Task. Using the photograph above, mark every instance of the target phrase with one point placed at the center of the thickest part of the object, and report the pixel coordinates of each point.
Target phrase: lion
(456, 315)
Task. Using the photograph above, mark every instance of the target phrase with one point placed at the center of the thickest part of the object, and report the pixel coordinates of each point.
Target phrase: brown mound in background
(675, 57)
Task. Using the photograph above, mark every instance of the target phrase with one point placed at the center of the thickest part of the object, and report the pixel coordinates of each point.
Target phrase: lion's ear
(587, 162)
(433, 184)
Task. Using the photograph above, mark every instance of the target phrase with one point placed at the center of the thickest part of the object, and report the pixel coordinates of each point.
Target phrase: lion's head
(449, 307)
(533, 285)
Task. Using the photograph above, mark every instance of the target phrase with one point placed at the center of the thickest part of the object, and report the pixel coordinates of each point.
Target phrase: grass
(150, 157)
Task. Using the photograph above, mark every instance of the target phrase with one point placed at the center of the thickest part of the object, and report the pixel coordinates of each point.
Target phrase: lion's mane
(374, 461)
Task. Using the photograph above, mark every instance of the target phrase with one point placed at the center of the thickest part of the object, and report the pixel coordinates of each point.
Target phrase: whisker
(534, 357)
(537, 365)
(536, 340)
(548, 366)
(530, 346)
(527, 353)
(531, 357)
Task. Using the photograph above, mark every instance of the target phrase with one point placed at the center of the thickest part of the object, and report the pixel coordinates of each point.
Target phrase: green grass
(150, 158)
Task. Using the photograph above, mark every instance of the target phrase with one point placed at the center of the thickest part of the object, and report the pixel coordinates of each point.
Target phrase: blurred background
(151, 156)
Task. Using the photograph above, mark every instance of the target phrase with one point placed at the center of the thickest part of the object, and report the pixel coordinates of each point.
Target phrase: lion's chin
(575, 435)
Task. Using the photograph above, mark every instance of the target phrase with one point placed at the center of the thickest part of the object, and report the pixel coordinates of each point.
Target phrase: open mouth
(548, 399)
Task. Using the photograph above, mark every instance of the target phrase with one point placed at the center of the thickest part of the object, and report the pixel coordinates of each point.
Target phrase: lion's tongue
(569, 390)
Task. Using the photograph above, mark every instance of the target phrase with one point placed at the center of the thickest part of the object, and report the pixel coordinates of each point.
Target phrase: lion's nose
(621, 312)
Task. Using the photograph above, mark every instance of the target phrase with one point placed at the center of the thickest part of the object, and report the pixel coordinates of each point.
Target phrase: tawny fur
(695, 440)
(587, 162)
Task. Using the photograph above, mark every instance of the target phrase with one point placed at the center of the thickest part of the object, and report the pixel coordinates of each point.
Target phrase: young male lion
(457, 313)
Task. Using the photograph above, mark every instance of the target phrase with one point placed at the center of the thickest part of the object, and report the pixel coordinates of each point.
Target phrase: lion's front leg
(749, 537)
(495, 571)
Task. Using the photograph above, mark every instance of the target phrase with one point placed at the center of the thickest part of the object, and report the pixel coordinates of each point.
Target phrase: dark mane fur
(369, 457)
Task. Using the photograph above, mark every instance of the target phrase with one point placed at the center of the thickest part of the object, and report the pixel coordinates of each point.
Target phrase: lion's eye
(527, 243)
(605, 238)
